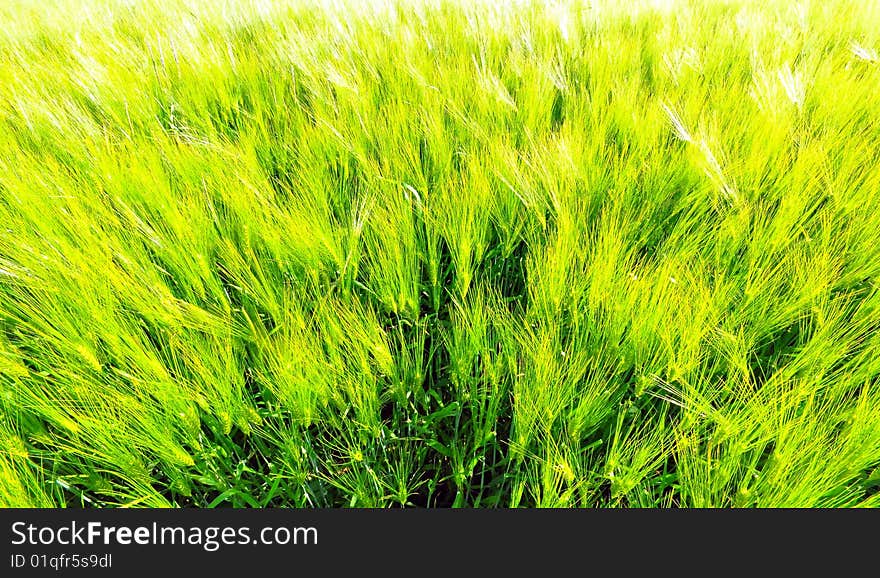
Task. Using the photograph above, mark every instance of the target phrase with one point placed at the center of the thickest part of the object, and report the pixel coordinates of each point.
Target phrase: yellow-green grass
(435, 253)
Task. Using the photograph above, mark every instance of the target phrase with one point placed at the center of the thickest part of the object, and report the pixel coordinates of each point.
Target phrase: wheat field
(439, 253)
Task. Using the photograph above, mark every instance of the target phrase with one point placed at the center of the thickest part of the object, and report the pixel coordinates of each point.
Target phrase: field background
(439, 253)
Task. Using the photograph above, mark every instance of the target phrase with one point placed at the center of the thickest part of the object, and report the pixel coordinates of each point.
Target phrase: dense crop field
(439, 253)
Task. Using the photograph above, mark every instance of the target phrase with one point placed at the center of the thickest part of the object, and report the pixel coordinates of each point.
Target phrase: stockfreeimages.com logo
(210, 538)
